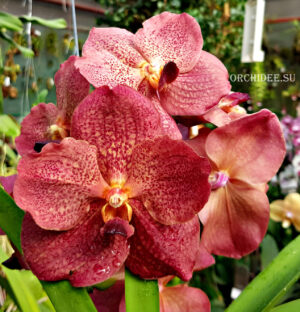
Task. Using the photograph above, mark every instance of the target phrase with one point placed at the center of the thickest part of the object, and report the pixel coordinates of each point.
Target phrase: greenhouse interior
(150, 156)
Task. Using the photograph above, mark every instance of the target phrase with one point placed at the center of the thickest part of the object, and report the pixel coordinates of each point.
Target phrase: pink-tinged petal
(106, 69)
(109, 300)
(2, 233)
(115, 121)
(71, 88)
(35, 127)
(217, 117)
(56, 185)
(198, 143)
(8, 183)
(170, 179)
(203, 259)
(116, 41)
(158, 250)
(197, 91)
(256, 145)
(232, 99)
(237, 215)
(181, 298)
(87, 254)
(170, 37)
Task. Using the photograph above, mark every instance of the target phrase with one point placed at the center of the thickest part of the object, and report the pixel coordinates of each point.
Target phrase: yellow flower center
(151, 72)
(58, 131)
(117, 205)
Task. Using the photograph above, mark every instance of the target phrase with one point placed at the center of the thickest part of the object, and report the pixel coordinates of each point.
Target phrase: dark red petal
(169, 74)
(85, 255)
(109, 300)
(71, 88)
(35, 127)
(158, 250)
(115, 121)
(170, 179)
(8, 183)
(197, 91)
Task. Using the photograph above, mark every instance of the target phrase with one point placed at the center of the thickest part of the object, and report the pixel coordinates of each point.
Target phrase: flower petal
(256, 146)
(107, 69)
(235, 219)
(170, 37)
(198, 143)
(8, 183)
(56, 185)
(71, 88)
(170, 180)
(158, 250)
(118, 119)
(35, 127)
(181, 298)
(116, 41)
(203, 259)
(87, 254)
(197, 91)
(109, 300)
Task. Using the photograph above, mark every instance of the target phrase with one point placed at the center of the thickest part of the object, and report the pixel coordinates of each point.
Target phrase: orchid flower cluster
(106, 178)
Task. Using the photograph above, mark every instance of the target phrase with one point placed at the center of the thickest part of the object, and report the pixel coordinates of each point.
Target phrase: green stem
(271, 284)
(140, 295)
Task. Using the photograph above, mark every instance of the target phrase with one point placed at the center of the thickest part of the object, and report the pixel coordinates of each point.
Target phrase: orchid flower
(48, 122)
(287, 211)
(244, 154)
(118, 167)
(163, 58)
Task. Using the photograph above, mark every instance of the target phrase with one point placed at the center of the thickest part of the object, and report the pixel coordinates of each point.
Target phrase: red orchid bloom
(163, 58)
(80, 195)
(8, 183)
(48, 122)
(244, 156)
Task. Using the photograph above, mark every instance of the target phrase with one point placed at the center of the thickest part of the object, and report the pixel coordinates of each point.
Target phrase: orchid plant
(107, 181)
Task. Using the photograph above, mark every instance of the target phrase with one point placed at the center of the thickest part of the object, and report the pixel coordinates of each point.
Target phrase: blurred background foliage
(26, 81)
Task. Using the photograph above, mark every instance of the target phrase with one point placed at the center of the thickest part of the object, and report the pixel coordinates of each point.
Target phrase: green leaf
(66, 298)
(25, 299)
(269, 250)
(272, 283)
(58, 23)
(25, 51)
(11, 217)
(41, 97)
(140, 295)
(10, 22)
(63, 296)
(8, 127)
(292, 306)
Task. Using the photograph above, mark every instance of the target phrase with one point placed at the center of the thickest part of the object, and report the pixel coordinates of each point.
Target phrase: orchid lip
(218, 179)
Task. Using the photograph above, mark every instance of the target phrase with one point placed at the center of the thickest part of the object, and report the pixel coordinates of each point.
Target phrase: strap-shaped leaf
(10, 22)
(58, 23)
(272, 283)
(292, 306)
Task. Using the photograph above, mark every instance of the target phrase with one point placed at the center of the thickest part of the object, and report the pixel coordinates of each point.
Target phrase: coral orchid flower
(244, 154)
(48, 122)
(287, 211)
(164, 58)
(118, 167)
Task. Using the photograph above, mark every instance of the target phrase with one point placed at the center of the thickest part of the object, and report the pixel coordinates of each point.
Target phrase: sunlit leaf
(292, 306)
(58, 23)
(10, 22)
(8, 127)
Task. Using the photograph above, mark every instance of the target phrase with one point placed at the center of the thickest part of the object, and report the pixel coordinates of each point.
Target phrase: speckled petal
(237, 215)
(197, 91)
(71, 88)
(158, 250)
(56, 185)
(115, 121)
(87, 254)
(181, 298)
(170, 37)
(8, 183)
(256, 146)
(106, 69)
(116, 41)
(35, 127)
(170, 179)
